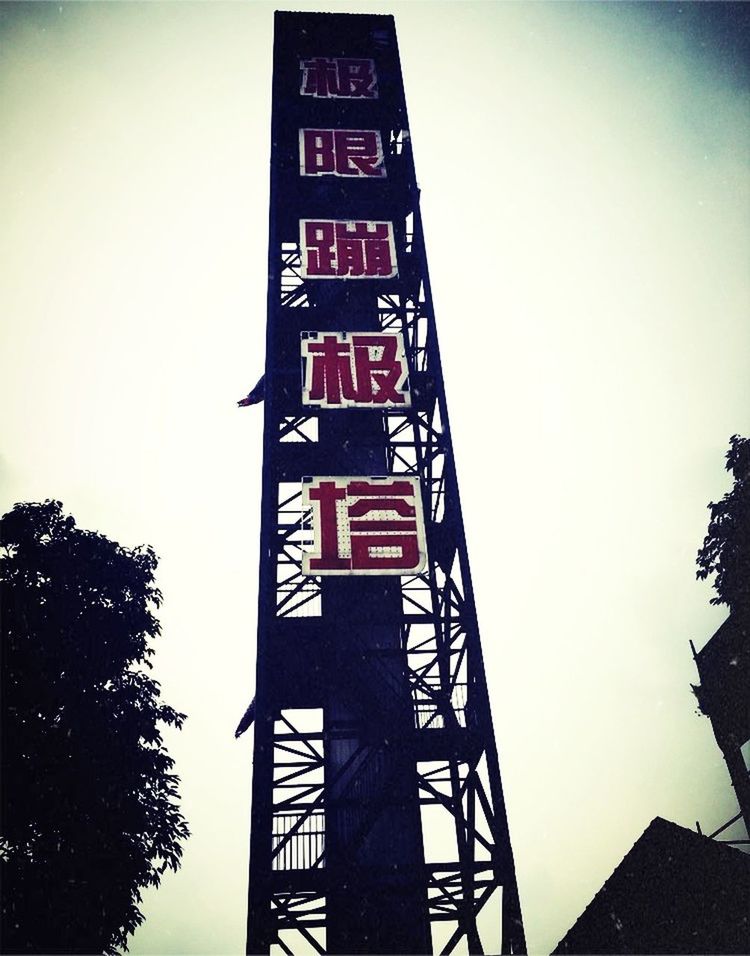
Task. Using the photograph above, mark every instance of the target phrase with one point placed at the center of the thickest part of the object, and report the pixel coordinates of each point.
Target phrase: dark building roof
(674, 892)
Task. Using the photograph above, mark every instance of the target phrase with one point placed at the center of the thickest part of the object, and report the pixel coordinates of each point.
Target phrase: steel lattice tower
(373, 730)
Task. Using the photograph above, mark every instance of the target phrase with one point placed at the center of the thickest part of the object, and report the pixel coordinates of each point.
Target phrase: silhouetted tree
(726, 548)
(724, 663)
(89, 802)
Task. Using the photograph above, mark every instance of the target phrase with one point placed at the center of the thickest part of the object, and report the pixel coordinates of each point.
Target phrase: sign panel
(354, 370)
(364, 525)
(341, 152)
(342, 78)
(345, 249)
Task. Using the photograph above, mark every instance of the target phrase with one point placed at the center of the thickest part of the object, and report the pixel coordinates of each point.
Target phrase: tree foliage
(726, 548)
(90, 810)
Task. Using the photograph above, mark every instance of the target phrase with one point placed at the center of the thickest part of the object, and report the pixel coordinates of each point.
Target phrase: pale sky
(584, 174)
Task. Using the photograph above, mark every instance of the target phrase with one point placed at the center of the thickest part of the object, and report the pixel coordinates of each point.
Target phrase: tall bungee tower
(378, 820)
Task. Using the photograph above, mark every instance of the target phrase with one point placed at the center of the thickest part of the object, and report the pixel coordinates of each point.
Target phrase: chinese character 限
(364, 525)
(339, 78)
(335, 249)
(354, 370)
(341, 152)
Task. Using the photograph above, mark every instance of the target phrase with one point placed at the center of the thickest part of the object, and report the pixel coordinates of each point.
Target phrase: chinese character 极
(354, 370)
(365, 526)
(341, 152)
(339, 78)
(336, 249)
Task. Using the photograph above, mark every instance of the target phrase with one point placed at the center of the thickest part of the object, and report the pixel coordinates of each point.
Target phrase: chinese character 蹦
(339, 249)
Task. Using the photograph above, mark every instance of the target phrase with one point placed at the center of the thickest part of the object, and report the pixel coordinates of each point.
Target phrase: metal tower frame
(373, 730)
(723, 666)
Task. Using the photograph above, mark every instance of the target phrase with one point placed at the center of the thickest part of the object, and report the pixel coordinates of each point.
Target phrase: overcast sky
(584, 174)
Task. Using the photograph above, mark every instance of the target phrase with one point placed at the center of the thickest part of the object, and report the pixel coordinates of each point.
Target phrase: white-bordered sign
(364, 525)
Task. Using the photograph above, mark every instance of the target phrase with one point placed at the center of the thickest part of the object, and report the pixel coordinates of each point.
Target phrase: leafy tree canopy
(726, 548)
(90, 811)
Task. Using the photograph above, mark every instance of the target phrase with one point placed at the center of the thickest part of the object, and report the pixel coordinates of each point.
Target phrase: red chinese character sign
(339, 78)
(364, 525)
(354, 370)
(341, 152)
(340, 249)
